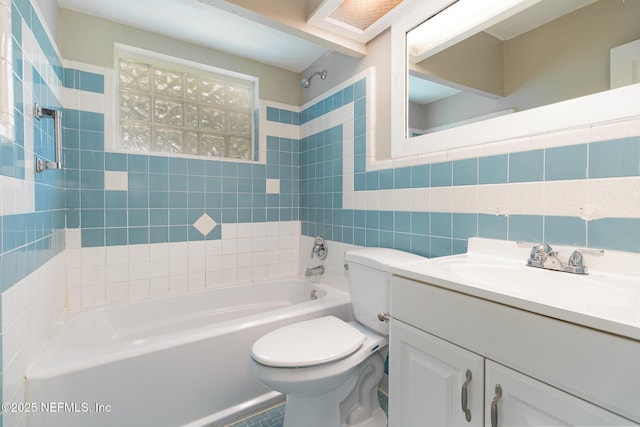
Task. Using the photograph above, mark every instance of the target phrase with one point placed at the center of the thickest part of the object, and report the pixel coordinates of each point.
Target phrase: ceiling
(206, 25)
(290, 34)
(534, 17)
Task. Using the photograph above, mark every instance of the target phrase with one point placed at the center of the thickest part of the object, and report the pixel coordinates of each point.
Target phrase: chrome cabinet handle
(494, 406)
(464, 397)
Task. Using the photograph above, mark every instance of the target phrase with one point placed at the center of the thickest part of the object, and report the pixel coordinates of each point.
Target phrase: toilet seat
(308, 343)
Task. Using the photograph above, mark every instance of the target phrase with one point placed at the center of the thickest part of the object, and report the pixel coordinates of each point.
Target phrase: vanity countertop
(606, 299)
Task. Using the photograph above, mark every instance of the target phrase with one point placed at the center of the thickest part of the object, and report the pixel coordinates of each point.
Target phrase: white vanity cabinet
(523, 401)
(431, 378)
(549, 372)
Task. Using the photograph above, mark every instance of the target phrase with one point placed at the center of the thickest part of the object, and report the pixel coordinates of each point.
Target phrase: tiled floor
(274, 417)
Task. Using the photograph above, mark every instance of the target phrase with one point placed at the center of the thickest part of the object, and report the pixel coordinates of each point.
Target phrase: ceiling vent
(359, 20)
(362, 13)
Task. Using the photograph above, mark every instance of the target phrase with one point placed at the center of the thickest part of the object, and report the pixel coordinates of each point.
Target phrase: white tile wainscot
(30, 309)
(246, 253)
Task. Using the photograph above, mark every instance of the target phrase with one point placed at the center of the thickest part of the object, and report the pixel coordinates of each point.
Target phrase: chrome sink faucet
(543, 256)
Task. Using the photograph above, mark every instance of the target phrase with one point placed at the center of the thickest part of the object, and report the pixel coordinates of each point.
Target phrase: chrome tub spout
(314, 271)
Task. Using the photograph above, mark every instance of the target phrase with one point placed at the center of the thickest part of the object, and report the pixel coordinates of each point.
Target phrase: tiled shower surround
(317, 168)
(115, 226)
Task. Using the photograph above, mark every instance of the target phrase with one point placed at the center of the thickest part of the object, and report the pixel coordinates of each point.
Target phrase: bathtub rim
(48, 364)
(188, 294)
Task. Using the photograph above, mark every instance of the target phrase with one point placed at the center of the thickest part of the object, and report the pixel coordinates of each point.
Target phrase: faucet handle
(319, 248)
(577, 260)
(539, 251)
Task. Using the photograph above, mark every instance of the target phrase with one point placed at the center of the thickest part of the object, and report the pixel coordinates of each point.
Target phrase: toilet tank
(369, 280)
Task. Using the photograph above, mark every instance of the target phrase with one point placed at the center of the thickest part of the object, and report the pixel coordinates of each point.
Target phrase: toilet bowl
(330, 369)
(317, 389)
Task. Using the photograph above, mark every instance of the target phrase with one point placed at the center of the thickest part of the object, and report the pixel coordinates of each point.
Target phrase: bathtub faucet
(314, 271)
(319, 248)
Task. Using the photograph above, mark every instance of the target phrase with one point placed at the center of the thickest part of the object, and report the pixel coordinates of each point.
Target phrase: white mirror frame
(614, 105)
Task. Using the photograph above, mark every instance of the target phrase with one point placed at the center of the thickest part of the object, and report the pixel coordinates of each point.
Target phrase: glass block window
(172, 108)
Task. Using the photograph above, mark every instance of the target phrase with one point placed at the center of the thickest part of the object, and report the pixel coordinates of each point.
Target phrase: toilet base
(354, 403)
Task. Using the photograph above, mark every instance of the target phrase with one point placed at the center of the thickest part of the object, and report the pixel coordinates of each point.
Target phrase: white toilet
(330, 369)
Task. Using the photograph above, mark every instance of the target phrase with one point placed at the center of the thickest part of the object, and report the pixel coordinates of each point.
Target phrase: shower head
(306, 82)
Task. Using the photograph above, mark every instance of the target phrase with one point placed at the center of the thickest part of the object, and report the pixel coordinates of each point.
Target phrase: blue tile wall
(441, 174)
(614, 233)
(283, 116)
(441, 233)
(167, 195)
(528, 228)
(493, 169)
(526, 166)
(614, 158)
(465, 172)
(566, 230)
(28, 240)
(566, 162)
(82, 80)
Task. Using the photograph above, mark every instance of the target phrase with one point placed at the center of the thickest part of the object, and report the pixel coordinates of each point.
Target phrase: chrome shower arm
(306, 82)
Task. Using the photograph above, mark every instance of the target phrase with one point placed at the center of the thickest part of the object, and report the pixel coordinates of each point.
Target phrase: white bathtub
(169, 361)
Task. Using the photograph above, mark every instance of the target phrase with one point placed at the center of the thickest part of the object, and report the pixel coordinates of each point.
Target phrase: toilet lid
(308, 343)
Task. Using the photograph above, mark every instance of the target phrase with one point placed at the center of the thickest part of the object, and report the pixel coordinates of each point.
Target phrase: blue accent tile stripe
(615, 233)
(280, 115)
(493, 169)
(340, 98)
(527, 228)
(616, 158)
(465, 172)
(566, 162)
(441, 174)
(492, 226)
(526, 166)
(565, 230)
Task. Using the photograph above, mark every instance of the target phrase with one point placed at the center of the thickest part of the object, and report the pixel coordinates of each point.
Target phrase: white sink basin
(540, 285)
(608, 298)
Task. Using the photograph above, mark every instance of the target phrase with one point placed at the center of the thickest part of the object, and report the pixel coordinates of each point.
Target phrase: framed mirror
(492, 70)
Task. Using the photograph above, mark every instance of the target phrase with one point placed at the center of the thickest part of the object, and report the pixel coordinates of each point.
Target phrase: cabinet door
(426, 380)
(525, 401)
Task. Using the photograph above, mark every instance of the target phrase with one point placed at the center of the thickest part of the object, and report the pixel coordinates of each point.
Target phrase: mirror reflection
(550, 52)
